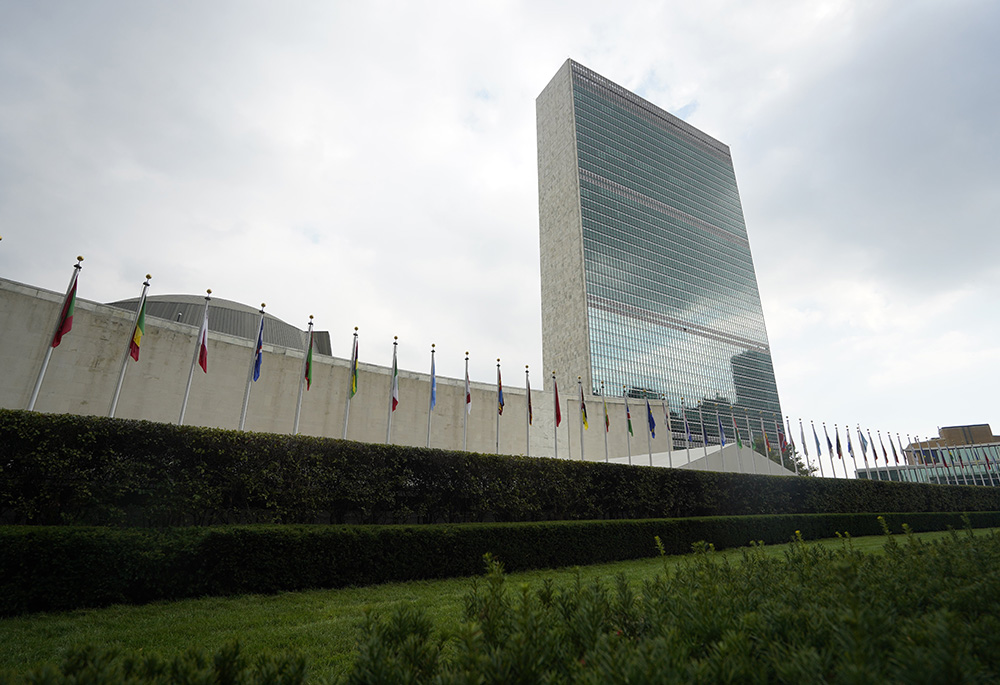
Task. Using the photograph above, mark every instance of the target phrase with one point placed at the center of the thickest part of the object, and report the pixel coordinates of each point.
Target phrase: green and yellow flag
(140, 329)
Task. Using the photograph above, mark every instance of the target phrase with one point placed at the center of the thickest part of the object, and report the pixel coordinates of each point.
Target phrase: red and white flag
(203, 344)
(468, 390)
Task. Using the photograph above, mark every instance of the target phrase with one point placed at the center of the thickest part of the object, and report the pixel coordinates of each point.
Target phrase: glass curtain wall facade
(670, 305)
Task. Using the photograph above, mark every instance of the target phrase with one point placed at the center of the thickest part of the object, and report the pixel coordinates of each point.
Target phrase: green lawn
(321, 625)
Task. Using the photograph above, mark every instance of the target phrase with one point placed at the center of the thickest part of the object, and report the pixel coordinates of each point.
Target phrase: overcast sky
(374, 164)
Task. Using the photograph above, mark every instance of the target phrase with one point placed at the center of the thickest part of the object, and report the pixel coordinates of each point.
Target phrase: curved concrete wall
(83, 371)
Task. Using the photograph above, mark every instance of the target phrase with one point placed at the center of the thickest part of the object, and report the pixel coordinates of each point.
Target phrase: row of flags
(785, 446)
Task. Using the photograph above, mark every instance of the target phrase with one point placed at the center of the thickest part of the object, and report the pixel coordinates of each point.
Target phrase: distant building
(648, 283)
(959, 455)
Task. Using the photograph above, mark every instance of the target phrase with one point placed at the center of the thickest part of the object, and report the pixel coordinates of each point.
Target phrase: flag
(628, 417)
(864, 443)
(819, 450)
(652, 423)
(893, 446)
(395, 380)
(736, 432)
(434, 383)
(836, 432)
(722, 433)
(527, 382)
(354, 367)
(259, 354)
(687, 429)
(802, 437)
(884, 453)
(607, 419)
(499, 392)
(203, 343)
(666, 418)
(468, 389)
(66, 316)
(309, 362)
(583, 410)
(555, 386)
(140, 329)
(767, 443)
(987, 458)
(874, 451)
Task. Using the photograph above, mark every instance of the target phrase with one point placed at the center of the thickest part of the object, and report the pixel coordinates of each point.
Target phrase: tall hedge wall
(65, 469)
(57, 568)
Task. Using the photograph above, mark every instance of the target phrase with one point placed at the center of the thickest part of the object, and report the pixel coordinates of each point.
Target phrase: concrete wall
(84, 369)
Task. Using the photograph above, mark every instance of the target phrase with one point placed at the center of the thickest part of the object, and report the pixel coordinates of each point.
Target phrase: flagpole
(874, 453)
(864, 450)
(432, 398)
(58, 327)
(791, 445)
(579, 383)
(392, 389)
(687, 432)
(604, 403)
(649, 431)
(527, 413)
(781, 452)
(468, 406)
(704, 435)
(722, 439)
(819, 455)
(989, 470)
(352, 381)
(829, 449)
(302, 376)
(753, 459)
(628, 426)
(253, 364)
(128, 347)
(569, 434)
(902, 452)
(499, 406)
(767, 443)
(194, 358)
(555, 416)
(670, 432)
(739, 443)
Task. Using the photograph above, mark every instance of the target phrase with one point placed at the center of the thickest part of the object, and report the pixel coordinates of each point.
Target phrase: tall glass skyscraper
(648, 284)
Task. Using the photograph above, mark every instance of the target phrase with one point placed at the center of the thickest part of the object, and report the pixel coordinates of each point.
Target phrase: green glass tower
(648, 283)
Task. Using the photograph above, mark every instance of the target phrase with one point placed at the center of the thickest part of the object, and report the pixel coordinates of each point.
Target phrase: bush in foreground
(920, 613)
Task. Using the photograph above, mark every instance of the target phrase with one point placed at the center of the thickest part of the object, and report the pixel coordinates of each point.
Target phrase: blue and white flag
(722, 433)
(819, 450)
(260, 350)
(434, 383)
(652, 423)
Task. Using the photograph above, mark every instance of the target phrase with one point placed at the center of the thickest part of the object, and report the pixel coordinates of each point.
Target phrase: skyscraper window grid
(672, 305)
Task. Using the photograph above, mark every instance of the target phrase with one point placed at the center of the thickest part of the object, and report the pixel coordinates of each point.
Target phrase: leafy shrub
(920, 613)
(96, 666)
(59, 568)
(85, 470)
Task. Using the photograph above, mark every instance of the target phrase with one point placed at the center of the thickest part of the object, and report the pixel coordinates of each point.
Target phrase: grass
(323, 626)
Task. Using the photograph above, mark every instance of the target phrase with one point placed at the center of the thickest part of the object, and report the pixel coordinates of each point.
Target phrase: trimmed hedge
(67, 469)
(60, 568)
